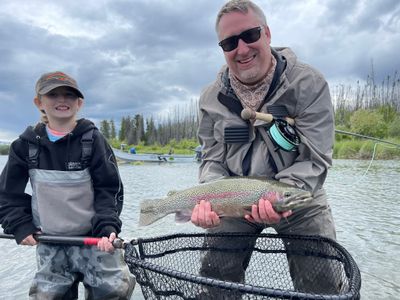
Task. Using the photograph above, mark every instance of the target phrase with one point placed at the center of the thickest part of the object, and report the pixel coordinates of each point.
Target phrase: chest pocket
(62, 201)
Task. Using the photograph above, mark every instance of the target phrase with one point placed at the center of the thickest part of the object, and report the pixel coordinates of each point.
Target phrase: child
(76, 191)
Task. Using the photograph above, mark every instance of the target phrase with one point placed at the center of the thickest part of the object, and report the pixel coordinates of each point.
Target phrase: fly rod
(248, 114)
(366, 137)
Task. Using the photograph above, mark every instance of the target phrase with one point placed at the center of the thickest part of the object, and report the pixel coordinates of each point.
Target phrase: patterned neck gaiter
(251, 96)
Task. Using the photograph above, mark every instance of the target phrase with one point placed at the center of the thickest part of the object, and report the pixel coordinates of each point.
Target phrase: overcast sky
(150, 56)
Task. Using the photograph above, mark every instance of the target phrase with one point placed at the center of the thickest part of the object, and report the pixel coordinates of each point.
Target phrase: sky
(151, 56)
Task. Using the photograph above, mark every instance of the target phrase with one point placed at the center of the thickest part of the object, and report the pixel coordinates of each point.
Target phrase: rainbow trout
(230, 196)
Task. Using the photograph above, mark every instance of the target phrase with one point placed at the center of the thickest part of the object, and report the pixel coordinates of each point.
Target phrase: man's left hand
(264, 212)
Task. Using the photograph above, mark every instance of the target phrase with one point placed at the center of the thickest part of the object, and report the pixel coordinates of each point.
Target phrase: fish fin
(149, 212)
(183, 216)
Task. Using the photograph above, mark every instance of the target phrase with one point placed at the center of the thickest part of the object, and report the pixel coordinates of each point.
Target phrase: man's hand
(264, 212)
(106, 244)
(203, 216)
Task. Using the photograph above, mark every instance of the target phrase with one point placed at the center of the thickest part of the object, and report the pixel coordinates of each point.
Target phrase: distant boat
(154, 157)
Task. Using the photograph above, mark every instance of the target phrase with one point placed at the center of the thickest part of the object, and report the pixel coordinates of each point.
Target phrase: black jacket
(15, 204)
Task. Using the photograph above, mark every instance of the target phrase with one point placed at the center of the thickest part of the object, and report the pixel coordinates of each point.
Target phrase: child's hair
(43, 117)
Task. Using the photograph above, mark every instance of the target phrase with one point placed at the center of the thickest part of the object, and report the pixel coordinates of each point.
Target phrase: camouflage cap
(50, 81)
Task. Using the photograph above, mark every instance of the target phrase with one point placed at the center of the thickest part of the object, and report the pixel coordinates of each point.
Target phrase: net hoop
(136, 259)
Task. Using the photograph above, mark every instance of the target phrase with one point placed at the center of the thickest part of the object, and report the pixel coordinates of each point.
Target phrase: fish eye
(287, 194)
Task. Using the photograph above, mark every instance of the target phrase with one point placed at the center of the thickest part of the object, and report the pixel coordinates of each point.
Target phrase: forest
(367, 108)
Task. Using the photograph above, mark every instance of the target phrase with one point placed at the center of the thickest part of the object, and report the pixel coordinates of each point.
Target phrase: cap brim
(51, 87)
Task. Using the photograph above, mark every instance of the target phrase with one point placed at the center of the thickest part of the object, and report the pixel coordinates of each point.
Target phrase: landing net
(194, 266)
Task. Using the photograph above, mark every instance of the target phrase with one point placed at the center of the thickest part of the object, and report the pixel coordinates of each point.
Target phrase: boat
(154, 157)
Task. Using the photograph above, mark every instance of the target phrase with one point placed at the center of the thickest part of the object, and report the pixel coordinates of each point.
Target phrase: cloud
(147, 56)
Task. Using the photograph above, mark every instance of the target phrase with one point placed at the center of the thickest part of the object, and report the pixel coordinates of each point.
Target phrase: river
(364, 197)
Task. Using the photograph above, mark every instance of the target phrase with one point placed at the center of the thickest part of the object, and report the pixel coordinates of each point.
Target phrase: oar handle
(68, 240)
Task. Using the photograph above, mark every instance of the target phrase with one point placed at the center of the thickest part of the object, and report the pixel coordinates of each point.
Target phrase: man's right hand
(203, 216)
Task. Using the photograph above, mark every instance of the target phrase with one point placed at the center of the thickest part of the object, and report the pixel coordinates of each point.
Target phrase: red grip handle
(91, 241)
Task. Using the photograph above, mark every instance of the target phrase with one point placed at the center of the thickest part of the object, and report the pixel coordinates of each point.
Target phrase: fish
(229, 197)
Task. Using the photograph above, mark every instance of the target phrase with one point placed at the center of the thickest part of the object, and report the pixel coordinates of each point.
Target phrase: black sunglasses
(249, 36)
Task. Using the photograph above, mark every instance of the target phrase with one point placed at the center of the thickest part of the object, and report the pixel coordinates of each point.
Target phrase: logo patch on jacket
(73, 165)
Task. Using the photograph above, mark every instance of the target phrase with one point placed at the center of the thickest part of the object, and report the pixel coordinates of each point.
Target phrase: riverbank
(357, 149)
(343, 149)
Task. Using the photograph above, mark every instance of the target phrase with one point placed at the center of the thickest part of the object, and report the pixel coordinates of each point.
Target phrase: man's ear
(267, 33)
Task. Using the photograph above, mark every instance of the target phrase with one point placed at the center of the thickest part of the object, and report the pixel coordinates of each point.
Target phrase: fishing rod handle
(68, 240)
(248, 114)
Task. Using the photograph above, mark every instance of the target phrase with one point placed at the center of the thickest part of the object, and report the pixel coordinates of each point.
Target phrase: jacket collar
(227, 97)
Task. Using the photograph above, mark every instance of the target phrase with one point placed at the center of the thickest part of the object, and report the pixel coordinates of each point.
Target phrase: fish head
(295, 194)
(290, 198)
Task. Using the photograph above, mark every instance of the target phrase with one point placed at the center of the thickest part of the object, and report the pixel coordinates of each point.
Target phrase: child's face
(61, 104)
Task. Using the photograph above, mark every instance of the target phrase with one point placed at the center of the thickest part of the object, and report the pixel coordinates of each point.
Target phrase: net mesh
(243, 266)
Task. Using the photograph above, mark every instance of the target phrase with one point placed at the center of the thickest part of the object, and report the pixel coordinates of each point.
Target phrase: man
(266, 80)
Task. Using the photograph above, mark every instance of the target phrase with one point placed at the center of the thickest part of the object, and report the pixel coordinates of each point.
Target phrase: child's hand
(106, 244)
(29, 241)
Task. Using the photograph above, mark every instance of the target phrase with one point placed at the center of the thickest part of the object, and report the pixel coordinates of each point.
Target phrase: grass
(362, 149)
(183, 147)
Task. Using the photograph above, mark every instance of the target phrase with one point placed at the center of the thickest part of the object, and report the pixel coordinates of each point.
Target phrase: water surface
(364, 200)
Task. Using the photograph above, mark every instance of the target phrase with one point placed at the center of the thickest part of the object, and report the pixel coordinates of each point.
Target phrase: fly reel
(283, 135)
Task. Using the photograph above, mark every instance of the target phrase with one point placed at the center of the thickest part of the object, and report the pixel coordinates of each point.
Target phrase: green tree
(368, 122)
(388, 112)
(113, 133)
(151, 134)
(4, 149)
(138, 124)
(105, 129)
(342, 117)
(394, 128)
(124, 128)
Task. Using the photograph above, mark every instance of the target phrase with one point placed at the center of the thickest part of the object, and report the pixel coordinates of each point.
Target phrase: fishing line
(374, 152)
(372, 159)
(370, 163)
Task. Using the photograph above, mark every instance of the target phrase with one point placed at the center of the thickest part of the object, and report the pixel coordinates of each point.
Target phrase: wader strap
(280, 66)
(33, 150)
(246, 163)
(87, 145)
(236, 107)
(231, 103)
(237, 134)
(87, 142)
(275, 154)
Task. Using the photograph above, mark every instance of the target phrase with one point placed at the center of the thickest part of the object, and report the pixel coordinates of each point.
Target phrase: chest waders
(62, 201)
(280, 138)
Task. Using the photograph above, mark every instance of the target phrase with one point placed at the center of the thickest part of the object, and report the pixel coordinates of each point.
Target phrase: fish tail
(148, 212)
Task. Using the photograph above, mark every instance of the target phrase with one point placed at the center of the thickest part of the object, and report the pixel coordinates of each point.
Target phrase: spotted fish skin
(230, 196)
